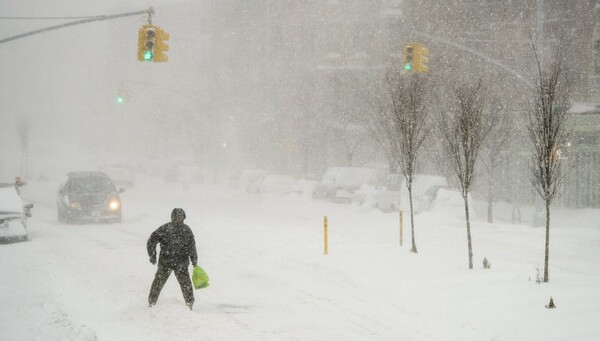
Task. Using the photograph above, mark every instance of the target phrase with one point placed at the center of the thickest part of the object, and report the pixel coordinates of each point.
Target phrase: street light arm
(446, 41)
(149, 11)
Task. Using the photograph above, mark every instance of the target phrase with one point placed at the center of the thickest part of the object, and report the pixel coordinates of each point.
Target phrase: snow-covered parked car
(304, 187)
(389, 199)
(424, 190)
(13, 215)
(423, 183)
(441, 199)
(428, 200)
(273, 183)
(325, 187)
(249, 177)
(367, 195)
(349, 180)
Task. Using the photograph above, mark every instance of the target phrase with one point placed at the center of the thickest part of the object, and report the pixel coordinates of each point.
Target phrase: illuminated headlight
(75, 205)
(114, 204)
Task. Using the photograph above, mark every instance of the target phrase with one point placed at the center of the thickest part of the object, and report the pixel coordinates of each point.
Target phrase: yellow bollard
(325, 234)
(401, 234)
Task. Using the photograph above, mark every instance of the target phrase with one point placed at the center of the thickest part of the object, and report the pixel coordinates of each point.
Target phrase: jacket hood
(177, 211)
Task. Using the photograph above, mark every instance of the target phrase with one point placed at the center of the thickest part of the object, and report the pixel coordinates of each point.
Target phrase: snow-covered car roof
(277, 183)
(10, 201)
(424, 182)
(329, 176)
(355, 176)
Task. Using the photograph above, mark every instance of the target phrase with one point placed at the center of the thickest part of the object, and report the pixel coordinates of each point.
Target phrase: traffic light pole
(149, 11)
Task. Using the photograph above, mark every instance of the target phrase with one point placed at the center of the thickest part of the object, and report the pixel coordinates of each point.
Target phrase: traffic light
(161, 47)
(146, 43)
(122, 95)
(415, 58)
(408, 59)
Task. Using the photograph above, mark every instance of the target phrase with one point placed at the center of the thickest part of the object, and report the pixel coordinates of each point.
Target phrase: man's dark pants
(183, 277)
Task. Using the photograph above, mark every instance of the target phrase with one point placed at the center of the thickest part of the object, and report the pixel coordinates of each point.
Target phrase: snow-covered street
(300, 141)
(271, 281)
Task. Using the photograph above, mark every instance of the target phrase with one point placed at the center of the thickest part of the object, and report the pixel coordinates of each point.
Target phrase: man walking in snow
(177, 249)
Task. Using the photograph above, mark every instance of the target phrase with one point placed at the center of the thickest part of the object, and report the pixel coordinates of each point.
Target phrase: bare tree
(547, 128)
(464, 129)
(376, 119)
(405, 125)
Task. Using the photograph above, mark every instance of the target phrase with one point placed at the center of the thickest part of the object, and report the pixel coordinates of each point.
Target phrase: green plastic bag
(199, 278)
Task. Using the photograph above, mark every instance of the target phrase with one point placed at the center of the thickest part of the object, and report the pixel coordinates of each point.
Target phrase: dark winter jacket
(177, 245)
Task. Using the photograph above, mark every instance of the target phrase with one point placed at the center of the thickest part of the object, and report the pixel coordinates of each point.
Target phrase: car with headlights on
(88, 197)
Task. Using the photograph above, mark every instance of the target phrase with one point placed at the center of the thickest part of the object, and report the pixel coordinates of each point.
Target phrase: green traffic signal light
(408, 57)
(148, 56)
(120, 99)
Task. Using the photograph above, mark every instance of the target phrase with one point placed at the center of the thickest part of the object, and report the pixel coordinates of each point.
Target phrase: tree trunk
(468, 232)
(547, 241)
(412, 222)
(490, 207)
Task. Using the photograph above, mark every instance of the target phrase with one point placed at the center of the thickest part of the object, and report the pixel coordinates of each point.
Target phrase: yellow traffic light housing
(161, 46)
(415, 58)
(146, 43)
(422, 59)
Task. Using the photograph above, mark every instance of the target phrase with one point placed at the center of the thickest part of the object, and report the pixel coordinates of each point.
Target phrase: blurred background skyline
(275, 84)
